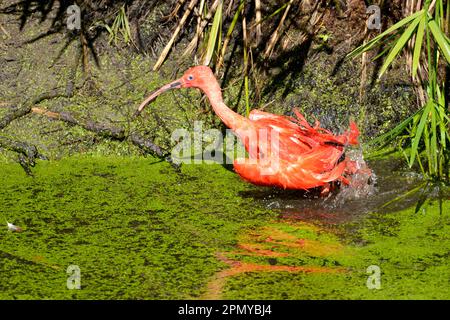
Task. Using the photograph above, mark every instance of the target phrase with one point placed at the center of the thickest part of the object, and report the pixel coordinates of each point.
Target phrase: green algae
(138, 229)
(411, 249)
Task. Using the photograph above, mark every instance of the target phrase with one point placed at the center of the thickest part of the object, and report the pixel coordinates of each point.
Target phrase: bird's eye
(190, 77)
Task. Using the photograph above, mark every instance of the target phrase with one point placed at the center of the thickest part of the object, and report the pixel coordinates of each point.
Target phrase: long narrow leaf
(418, 46)
(419, 132)
(229, 33)
(414, 190)
(440, 39)
(394, 132)
(443, 120)
(277, 11)
(382, 53)
(127, 27)
(428, 153)
(434, 146)
(213, 34)
(376, 40)
(405, 37)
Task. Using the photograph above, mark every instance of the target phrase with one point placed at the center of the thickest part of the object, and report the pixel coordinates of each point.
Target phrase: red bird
(285, 152)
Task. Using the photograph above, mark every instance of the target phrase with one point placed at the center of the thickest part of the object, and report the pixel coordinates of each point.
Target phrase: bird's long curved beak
(173, 85)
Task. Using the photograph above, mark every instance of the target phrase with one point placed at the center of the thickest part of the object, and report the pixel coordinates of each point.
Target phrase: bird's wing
(307, 156)
(292, 138)
(299, 127)
(325, 136)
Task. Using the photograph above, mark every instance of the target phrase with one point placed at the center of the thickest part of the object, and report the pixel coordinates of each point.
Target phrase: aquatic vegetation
(138, 229)
(120, 28)
(135, 227)
(411, 251)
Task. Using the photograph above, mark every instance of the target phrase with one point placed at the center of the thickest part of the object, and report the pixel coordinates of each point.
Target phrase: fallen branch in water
(27, 153)
(25, 108)
(99, 128)
(21, 147)
(107, 131)
(147, 145)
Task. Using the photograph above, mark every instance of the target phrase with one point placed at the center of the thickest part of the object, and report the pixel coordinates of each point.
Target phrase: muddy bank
(316, 79)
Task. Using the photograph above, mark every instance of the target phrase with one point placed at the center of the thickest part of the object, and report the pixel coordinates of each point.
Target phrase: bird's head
(196, 77)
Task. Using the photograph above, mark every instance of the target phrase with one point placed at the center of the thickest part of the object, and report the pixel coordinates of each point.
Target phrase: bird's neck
(230, 118)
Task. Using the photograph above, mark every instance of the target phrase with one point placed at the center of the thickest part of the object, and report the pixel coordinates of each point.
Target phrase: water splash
(370, 189)
(362, 183)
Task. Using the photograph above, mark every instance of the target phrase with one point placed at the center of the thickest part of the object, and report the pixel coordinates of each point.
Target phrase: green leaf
(230, 32)
(382, 53)
(404, 38)
(443, 119)
(394, 132)
(375, 41)
(277, 11)
(127, 28)
(420, 129)
(440, 38)
(213, 34)
(418, 45)
(107, 28)
(434, 146)
(235, 18)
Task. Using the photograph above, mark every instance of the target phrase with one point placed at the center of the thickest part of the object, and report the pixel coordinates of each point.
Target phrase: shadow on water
(390, 179)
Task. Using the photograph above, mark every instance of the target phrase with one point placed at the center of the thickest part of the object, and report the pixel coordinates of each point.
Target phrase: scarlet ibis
(292, 155)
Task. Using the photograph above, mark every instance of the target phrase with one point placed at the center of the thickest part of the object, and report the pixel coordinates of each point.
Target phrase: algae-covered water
(136, 228)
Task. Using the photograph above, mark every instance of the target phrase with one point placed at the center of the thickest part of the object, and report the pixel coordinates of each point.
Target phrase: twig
(174, 12)
(25, 109)
(149, 147)
(105, 130)
(275, 36)
(258, 21)
(99, 128)
(169, 45)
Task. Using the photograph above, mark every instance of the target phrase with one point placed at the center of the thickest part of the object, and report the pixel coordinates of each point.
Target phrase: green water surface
(138, 229)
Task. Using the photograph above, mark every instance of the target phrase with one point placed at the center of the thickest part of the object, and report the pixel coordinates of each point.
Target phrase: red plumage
(303, 156)
(285, 152)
